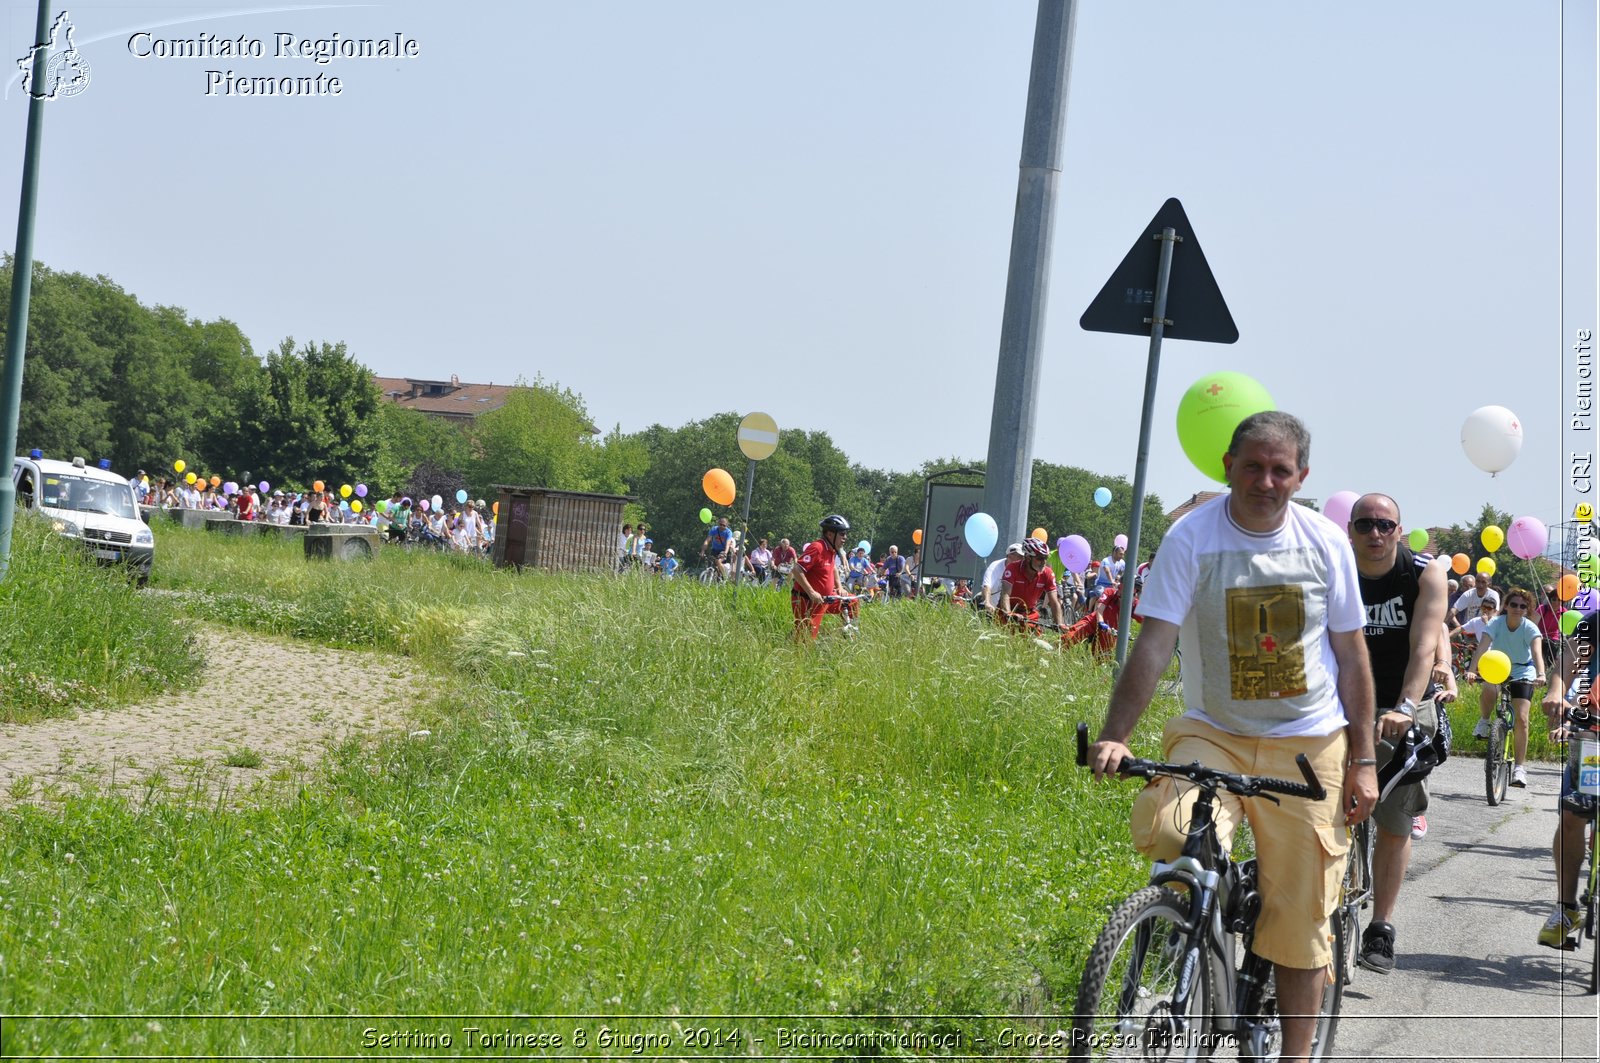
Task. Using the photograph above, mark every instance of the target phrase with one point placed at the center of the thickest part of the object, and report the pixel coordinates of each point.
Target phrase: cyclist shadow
(1532, 973)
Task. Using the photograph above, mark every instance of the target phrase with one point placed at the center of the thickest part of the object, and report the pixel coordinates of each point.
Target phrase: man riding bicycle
(816, 579)
(1274, 665)
(718, 540)
(1577, 657)
(1025, 581)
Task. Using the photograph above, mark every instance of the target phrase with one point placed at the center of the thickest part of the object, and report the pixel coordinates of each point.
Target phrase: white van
(94, 506)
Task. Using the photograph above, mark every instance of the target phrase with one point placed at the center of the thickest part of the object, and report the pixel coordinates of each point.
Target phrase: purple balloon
(1338, 507)
(1527, 537)
(230, 488)
(265, 487)
(361, 490)
(1587, 602)
(1075, 552)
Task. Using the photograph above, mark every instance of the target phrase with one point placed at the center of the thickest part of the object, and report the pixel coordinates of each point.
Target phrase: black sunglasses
(1516, 605)
(1364, 525)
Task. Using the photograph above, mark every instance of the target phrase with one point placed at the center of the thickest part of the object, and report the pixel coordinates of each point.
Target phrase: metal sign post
(758, 439)
(1185, 303)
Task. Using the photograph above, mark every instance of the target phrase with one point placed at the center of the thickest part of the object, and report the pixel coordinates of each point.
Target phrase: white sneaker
(1519, 776)
(1482, 730)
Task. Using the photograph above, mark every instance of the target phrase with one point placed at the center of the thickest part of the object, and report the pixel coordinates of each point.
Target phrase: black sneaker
(1377, 948)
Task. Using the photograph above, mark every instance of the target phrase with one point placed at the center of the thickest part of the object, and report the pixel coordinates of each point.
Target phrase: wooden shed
(563, 531)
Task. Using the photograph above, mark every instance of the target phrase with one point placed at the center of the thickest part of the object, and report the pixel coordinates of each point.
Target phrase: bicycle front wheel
(1496, 762)
(1127, 1006)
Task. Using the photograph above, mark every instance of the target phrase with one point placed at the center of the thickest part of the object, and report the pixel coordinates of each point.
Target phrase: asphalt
(1470, 981)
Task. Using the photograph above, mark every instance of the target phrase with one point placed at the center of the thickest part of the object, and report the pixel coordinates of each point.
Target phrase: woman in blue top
(1516, 636)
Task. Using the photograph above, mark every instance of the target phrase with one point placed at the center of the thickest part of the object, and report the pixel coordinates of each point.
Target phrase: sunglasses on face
(1364, 525)
(1516, 605)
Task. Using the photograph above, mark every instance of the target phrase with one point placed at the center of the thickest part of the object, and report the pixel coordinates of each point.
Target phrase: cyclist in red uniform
(816, 579)
(1101, 622)
(1027, 580)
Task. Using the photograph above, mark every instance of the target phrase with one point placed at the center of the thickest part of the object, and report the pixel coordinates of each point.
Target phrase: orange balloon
(1567, 587)
(718, 486)
(1040, 534)
(495, 509)
(916, 537)
(317, 486)
(1460, 563)
(216, 481)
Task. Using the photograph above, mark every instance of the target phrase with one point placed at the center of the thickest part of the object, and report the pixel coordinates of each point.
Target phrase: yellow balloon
(345, 490)
(1492, 537)
(1486, 565)
(355, 507)
(189, 477)
(1494, 667)
(179, 465)
(1039, 533)
(1583, 511)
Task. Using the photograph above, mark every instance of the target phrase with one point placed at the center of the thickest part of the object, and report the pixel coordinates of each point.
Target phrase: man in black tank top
(1406, 598)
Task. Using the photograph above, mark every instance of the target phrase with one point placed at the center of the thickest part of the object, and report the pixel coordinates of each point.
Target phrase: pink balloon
(424, 505)
(1120, 542)
(1340, 503)
(1527, 537)
(1075, 552)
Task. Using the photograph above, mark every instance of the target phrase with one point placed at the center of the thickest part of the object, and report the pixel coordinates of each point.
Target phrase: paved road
(1470, 980)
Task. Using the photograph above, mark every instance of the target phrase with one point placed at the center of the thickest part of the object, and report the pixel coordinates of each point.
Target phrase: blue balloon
(982, 533)
(1102, 497)
(461, 495)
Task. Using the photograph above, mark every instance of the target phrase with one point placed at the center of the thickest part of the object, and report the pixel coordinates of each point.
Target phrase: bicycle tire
(1345, 939)
(1124, 998)
(1496, 765)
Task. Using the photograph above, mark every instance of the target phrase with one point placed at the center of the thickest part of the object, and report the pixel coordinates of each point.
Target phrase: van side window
(25, 489)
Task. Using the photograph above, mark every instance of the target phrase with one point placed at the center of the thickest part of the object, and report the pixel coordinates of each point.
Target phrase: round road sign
(758, 436)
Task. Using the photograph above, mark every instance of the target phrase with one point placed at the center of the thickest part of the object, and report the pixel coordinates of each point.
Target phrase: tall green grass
(75, 635)
(634, 797)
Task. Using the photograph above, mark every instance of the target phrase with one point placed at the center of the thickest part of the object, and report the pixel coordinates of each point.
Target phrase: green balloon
(705, 516)
(1418, 539)
(1209, 412)
(1589, 570)
(1570, 621)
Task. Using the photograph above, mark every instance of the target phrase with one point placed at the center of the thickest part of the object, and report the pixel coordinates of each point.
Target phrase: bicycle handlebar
(841, 598)
(1212, 778)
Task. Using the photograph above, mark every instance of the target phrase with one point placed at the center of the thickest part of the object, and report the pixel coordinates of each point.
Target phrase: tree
(539, 438)
(1510, 570)
(306, 415)
(407, 440)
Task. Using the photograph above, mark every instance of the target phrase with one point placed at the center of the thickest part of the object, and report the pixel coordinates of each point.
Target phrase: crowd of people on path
(466, 527)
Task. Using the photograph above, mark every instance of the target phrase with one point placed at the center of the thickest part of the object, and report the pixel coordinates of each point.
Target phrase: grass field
(634, 798)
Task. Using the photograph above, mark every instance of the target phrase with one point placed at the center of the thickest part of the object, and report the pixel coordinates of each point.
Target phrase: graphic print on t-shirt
(1265, 658)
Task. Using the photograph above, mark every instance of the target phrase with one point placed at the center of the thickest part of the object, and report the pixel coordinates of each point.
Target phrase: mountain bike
(1497, 759)
(1355, 893)
(1173, 975)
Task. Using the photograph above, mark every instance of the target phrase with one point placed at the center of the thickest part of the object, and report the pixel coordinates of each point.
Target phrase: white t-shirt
(991, 577)
(1254, 611)
(1469, 601)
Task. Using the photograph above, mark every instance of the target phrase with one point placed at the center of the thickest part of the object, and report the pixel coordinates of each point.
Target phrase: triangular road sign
(1195, 308)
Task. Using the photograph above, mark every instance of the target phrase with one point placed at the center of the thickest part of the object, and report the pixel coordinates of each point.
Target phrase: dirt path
(275, 704)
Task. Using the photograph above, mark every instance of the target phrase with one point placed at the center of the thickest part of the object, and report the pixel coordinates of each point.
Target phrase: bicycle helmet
(834, 522)
(1034, 548)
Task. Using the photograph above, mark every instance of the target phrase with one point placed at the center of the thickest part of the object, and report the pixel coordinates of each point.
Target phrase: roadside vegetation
(619, 796)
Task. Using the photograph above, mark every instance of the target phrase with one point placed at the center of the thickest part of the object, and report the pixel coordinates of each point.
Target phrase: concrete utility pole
(1016, 387)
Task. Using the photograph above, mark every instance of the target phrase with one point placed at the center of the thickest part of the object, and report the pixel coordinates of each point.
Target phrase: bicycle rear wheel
(1125, 1007)
(1496, 762)
(1345, 942)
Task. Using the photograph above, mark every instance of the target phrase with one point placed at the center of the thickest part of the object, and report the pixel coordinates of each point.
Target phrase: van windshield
(88, 496)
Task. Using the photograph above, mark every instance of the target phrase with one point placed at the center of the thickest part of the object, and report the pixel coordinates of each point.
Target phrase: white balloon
(1492, 438)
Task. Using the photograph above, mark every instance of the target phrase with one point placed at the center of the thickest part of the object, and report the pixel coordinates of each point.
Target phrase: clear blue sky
(683, 208)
